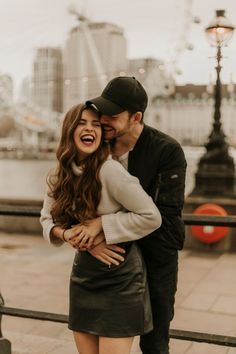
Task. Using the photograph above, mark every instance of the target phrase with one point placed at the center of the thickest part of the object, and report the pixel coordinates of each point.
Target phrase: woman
(108, 305)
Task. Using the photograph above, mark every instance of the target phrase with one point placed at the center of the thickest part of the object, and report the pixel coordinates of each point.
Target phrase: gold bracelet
(63, 235)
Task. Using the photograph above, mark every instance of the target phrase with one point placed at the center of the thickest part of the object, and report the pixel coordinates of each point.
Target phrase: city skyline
(173, 26)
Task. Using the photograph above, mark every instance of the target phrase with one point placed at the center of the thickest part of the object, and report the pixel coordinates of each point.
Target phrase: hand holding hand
(85, 234)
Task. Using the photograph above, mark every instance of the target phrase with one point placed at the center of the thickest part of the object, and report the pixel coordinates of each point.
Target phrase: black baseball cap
(122, 93)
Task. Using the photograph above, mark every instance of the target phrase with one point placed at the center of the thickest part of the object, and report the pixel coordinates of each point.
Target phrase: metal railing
(5, 344)
(189, 219)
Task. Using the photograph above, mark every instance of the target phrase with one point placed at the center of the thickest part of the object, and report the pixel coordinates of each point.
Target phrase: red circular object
(209, 234)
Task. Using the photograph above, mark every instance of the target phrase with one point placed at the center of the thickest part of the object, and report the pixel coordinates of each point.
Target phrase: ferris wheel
(182, 40)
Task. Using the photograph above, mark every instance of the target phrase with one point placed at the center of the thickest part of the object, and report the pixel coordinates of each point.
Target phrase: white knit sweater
(127, 212)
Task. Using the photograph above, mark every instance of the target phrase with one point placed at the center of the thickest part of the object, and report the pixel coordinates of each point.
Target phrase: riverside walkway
(35, 275)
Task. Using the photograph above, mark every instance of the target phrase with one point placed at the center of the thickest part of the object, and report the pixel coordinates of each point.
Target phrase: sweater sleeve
(138, 216)
(47, 222)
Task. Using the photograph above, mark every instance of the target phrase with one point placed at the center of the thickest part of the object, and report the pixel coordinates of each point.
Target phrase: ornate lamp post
(215, 176)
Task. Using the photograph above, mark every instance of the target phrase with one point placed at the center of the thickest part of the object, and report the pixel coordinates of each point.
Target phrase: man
(159, 163)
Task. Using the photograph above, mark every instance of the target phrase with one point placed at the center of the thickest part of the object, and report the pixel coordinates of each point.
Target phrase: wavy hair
(76, 198)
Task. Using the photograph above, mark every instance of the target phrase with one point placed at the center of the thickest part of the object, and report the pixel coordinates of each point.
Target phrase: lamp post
(215, 176)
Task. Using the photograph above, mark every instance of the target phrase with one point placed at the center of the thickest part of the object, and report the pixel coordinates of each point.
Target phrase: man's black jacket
(159, 163)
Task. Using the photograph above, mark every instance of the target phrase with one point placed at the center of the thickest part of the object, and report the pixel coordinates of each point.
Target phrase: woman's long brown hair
(76, 198)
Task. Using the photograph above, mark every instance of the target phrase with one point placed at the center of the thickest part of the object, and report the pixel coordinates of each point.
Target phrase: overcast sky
(156, 28)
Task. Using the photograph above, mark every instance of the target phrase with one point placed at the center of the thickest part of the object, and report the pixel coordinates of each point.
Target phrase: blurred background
(57, 53)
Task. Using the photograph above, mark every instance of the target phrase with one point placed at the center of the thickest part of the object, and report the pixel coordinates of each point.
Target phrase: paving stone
(228, 259)
(51, 330)
(204, 321)
(31, 344)
(223, 275)
(214, 287)
(185, 286)
(199, 301)
(18, 325)
(203, 348)
(225, 304)
(179, 346)
(204, 260)
(35, 275)
(193, 274)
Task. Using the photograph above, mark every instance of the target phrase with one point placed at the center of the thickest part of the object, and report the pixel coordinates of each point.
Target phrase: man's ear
(137, 117)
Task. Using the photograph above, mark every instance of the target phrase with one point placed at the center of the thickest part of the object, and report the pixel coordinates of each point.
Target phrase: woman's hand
(83, 235)
(69, 235)
(108, 254)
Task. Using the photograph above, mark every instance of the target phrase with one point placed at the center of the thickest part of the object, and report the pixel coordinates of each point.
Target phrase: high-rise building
(26, 91)
(6, 91)
(48, 79)
(94, 53)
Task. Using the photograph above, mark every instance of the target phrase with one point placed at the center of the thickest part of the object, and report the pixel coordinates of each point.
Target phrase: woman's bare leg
(86, 343)
(115, 345)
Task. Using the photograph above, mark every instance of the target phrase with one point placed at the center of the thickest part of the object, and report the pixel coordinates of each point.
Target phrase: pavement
(35, 275)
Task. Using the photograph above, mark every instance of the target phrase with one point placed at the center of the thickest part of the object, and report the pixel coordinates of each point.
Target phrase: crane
(84, 25)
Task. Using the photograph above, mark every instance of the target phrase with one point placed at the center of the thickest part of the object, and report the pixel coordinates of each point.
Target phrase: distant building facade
(92, 56)
(48, 79)
(152, 74)
(26, 91)
(6, 91)
(187, 114)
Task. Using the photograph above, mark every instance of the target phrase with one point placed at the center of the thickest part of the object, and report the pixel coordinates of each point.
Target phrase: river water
(26, 179)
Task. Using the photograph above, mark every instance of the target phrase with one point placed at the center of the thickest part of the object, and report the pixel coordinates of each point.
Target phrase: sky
(161, 29)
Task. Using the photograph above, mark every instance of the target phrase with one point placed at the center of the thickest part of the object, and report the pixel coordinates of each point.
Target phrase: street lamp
(216, 171)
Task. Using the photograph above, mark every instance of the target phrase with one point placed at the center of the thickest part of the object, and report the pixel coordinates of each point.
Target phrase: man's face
(117, 125)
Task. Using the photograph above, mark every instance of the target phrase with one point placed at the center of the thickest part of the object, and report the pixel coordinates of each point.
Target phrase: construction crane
(84, 25)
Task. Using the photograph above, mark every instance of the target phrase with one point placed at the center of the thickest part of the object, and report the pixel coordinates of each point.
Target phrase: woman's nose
(89, 127)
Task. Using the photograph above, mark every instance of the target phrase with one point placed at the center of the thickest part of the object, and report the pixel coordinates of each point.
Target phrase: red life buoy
(208, 233)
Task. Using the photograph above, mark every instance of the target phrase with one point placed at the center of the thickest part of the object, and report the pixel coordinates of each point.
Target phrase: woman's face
(88, 133)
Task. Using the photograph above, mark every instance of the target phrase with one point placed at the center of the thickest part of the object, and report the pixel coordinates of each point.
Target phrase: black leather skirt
(110, 302)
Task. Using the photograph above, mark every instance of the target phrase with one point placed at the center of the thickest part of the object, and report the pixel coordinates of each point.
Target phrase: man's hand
(108, 254)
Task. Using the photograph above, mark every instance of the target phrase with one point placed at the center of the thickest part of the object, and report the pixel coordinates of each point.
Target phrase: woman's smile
(88, 134)
(87, 139)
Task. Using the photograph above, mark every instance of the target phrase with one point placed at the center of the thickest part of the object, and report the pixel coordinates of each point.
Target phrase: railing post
(5, 345)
